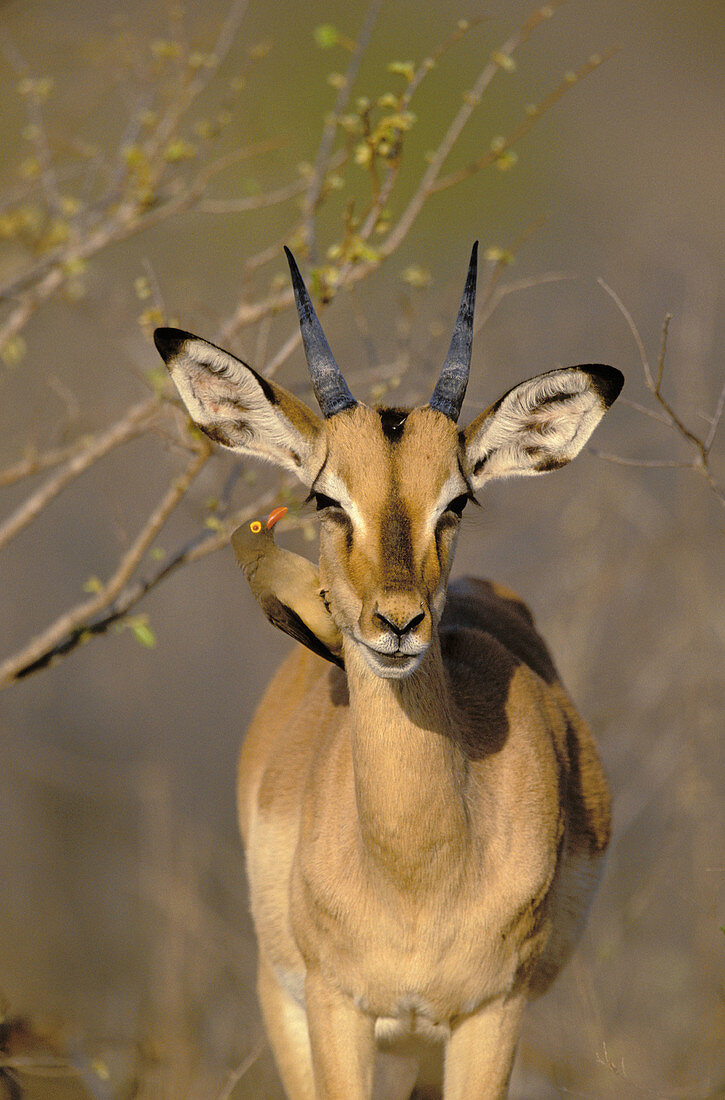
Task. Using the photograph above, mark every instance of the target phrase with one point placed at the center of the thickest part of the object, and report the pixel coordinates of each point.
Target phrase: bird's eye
(457, 505)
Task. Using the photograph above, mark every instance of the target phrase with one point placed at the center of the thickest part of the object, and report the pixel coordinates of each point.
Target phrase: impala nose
(400, 623)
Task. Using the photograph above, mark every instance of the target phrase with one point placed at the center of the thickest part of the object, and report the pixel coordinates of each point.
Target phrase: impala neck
(409, 773)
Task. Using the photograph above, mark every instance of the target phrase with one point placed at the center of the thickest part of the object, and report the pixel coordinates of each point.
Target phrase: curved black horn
(451, 386)
(331, 389)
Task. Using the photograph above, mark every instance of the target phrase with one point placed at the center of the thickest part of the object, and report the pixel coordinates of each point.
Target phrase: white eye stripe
(333, 486)
(453, 487)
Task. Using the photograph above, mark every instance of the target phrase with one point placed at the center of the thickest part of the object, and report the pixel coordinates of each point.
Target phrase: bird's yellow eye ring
(255, 526)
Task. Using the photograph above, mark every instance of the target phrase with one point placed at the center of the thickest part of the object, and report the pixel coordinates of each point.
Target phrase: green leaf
(402, 68)
(416, 276)
(13, 351)
(326, 36)
(142, 632)
(504, 61)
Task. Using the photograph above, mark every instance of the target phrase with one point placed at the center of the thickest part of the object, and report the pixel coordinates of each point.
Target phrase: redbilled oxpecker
(287, 587)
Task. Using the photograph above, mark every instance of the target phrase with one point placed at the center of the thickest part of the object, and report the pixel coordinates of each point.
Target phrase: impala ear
(238, 408)
(541, 424)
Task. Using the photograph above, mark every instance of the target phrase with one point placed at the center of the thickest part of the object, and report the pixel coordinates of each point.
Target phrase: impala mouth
(391, 666)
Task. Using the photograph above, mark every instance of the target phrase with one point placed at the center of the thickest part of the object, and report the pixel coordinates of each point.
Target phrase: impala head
(390, 484)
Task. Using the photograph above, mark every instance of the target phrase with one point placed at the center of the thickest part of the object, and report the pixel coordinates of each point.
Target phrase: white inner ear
(227, 401)
(538, 426)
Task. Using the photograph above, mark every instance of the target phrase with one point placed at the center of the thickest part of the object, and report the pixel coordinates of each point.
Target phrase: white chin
(391, 668)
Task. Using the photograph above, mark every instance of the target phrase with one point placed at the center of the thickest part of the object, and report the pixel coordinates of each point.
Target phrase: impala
(425, 829)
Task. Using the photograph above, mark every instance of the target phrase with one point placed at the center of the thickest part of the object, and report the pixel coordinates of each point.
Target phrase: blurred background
(126, 949)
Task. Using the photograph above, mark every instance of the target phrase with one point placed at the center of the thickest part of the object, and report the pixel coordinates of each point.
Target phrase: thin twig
(253, 202)
(36, 127)
(701, 462)
(502, 263)
(426, 67)
(652, 413)
(72, 627)
(716, 418)
(181, 103)
(429, 63)
(646, 463)
(634, 331)
(324, 151)
(135, 421)
(113, 603)
(470, 102)
(111, 220)
(515, 287)
(242, 1070)
(523, 128)
(283, 354)
(35, 461)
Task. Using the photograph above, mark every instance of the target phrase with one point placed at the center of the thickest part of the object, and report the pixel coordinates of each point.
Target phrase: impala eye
(322, 501)
(458, 504)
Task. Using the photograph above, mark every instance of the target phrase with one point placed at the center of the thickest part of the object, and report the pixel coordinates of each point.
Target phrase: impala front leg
(481, 1049)
(343, 1042)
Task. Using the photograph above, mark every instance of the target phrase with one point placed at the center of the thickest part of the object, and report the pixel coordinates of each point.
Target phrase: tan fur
(424, 848)
(425, 830)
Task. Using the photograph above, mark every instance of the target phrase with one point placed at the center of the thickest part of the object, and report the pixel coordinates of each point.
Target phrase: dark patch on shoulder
(482, 698)
(472, 603)
(392, 422)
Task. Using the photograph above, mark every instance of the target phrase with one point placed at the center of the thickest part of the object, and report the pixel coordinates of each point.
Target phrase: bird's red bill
(274, 516)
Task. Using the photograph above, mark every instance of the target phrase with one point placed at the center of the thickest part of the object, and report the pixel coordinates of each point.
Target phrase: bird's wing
(283, 617)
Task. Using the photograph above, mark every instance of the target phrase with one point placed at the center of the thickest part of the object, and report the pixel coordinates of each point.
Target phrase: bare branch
(34, 462)
(633, 329)
(236, 1075)
(132, 424)
(96, 616)
(36, 125)
(523, 128)
(132, 204)
(700, 463)
(663, 349)
(652, 413)
(253, 202)
(324, 151)
(646, 463)
(715, 422)
(470, 102)
(72, 627)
